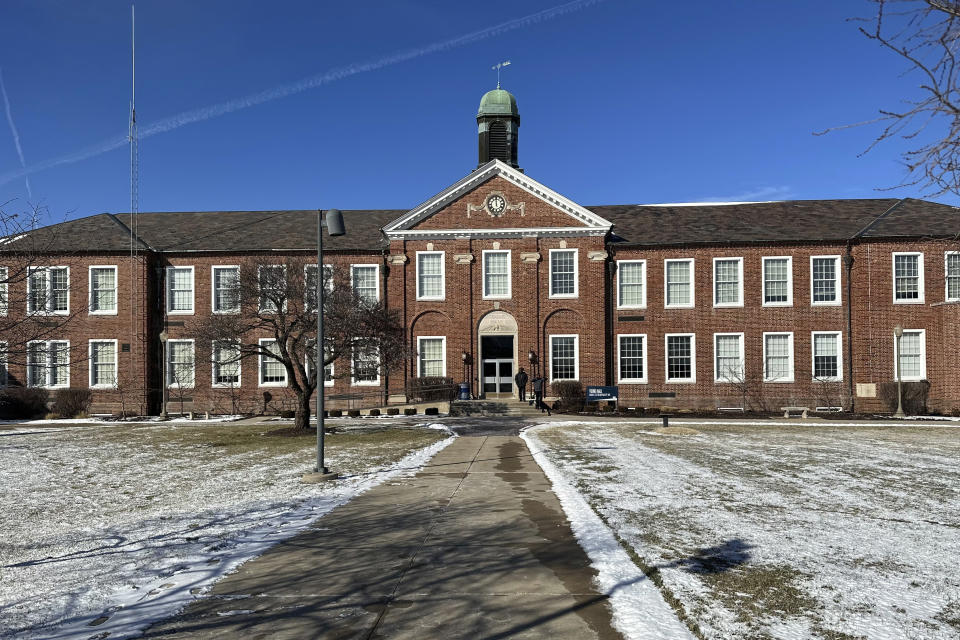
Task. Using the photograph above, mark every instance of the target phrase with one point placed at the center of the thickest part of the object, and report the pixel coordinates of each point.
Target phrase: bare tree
(277, 323)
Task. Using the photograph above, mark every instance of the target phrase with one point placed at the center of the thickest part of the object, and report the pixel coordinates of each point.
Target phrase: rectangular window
(432, 355)
(226, 363)
(678, 279)
(4, 291)
(826, 349)
(728, 282)
(681, 357)
(825, 280)
(103, 289)
(272, 280)
(364, 280)
(103, 363)
(430, 270)
(272, 371)
(778, 282)
(630, 356)
(180, 371)
(728, 357)
(913, 355)
(4, 377)
(952, 268)
(631, 284)
(563, 273)
(908, 278)
(179, 290)
(310, 284)
(226, 289)
(366, 366)
(48, 363)
(496, 274)
(310, 356)
(564, 358)
(48, 290)
(778, 357)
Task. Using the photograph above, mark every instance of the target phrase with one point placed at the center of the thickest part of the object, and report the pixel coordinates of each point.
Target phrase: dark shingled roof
(649, 225)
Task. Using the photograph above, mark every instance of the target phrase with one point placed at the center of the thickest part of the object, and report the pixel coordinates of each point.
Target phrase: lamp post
(334, 228)
(163, 376)
(532, 359)
(897, 334)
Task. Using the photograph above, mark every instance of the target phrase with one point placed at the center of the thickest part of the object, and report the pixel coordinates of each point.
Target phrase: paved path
(474, 546)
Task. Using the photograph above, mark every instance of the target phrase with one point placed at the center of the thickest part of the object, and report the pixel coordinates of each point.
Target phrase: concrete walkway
(474, 546)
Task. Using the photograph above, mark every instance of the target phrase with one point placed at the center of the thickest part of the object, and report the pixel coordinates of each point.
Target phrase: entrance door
(498, 378)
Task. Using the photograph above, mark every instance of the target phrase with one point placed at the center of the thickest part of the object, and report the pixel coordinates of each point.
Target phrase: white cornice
(466, 234)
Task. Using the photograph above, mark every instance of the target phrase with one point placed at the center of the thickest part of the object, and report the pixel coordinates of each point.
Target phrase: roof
(498, 103)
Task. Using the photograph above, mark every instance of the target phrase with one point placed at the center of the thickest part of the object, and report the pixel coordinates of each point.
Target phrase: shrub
(23, 403)
(914, 396)
(409, 411)
(287, 413)
(354, 413)
(374, 412)
(393, 411)
(431, 411)
(432, 389)
(335, 413)
(570, 394)
(69, 403)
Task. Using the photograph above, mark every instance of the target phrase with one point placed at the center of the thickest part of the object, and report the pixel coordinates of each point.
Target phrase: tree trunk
(301, 419)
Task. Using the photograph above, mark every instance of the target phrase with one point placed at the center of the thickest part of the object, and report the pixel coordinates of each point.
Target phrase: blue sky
(621, 101)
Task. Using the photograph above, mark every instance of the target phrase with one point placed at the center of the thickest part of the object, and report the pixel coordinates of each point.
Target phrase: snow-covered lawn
(756, 531)
(129, 520)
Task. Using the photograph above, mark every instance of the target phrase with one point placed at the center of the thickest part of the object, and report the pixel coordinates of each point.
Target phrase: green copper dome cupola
(498, 124)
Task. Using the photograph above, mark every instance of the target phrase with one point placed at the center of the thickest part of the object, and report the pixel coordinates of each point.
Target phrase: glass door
(498, 378)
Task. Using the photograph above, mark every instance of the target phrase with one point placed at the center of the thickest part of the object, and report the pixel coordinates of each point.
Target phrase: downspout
(848, 263)
(384, 276)
(608, 319)
(540, 338)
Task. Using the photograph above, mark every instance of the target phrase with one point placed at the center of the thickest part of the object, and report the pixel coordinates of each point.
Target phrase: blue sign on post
(595, 394)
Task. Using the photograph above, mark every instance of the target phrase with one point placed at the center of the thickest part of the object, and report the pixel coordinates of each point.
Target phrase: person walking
(521, 380)
(538, 395)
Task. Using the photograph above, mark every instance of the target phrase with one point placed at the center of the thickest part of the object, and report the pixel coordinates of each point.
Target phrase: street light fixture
(897, 334)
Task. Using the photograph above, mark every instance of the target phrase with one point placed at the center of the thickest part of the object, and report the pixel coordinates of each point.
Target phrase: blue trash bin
(464, 391)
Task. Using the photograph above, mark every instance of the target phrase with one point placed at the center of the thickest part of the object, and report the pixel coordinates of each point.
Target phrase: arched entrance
(497, 334)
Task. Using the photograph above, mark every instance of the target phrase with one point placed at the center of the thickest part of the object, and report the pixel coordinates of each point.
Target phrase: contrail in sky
(16, 135)
(268, 95)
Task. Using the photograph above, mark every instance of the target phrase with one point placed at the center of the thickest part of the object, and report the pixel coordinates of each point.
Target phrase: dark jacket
(521, 379)
(538, 385)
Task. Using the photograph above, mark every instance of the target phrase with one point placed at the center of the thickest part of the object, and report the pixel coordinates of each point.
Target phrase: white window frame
(49, 297)
(116, 364)
(509, 294)
(666, 358)
(666, 286)
(836, 266)
(920, 279)
(838, 335)
(327, 286)
(923, 357)
(193, 291)
(4, 371)
(214, 365)
(260, 359)
(739, 301)
(172, 384)
(363, 383)
(213, 288)
(646, 359)
(4, 291)
(717, 377)
(576, 273)
(443, 275)
(791, 376)
(376, 276)
(763, 281)
(116, 286)
(46, 344)
(576, 354)
(260, 298)
(443, 353)
(946, 276)
(643, 286)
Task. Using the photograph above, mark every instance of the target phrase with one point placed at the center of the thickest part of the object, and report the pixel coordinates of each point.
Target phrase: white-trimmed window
(681, 360)
(364, 278)
(4, 374)
(430, 275)
(952, 275)
(678, 283)
(48, 290)
(631, 358)
(913, 355)
(563, 273)
(310, 357)
(310, 284)
(778, 357)
(728, 357)
(48, 363)
(225, 363)
(496, 274)
(226, 288)
(908, 278)
(365, 366)
(728, 282)
(824, 280)
(103, 364)
(103, 289)
(432, 356)
(179, 290)
(778, 281)
(565, 357)
(631, 284)
(4, 291)
(272, 373)
(826, 348)
(272, 281)
(180, 364)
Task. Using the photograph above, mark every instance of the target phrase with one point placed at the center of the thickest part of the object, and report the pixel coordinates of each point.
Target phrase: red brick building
(699, 305)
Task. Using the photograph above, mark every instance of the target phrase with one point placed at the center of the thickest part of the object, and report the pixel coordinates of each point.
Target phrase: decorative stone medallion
(495, 205)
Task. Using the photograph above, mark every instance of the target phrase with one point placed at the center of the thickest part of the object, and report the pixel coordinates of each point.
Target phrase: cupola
(498, 124)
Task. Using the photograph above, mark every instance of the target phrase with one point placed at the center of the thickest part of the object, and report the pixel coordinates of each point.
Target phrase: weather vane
(505, 63)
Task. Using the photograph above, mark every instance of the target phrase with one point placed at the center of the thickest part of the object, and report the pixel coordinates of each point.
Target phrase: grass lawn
(782, 532)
